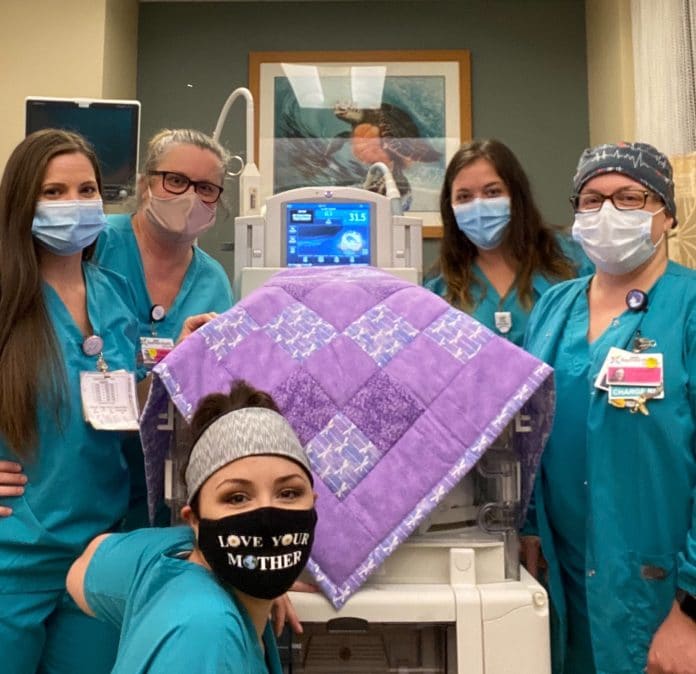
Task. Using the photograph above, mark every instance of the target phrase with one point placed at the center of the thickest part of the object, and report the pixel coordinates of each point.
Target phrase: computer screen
(112, 127)
(328, 233)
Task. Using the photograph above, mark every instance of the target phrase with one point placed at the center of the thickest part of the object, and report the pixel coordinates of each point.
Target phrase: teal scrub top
(172, 613)
(487, 301)
(205, 286)
(78, 481)
(636, 502)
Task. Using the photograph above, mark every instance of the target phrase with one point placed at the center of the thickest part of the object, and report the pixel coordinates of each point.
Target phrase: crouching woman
(198, 597)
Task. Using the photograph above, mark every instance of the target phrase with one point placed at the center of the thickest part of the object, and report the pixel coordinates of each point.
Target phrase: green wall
(528, 62)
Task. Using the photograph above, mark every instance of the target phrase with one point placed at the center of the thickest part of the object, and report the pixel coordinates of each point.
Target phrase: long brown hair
(31, 365)
(530, 243)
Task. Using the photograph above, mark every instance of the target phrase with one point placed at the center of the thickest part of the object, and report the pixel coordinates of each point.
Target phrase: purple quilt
(394, 394)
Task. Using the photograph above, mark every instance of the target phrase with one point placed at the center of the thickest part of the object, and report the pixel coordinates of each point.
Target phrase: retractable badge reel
(154, 348)
(109, 399)
(636, 300)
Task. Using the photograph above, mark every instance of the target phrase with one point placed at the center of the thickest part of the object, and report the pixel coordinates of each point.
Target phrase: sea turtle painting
(386, 134)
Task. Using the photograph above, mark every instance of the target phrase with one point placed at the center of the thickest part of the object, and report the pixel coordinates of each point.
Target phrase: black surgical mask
(260, 552)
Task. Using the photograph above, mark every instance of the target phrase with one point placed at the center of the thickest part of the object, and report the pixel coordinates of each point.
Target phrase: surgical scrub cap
(250, 431)
(639, 161)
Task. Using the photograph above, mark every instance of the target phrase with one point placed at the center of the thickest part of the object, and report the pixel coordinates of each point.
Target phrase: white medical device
(325, 226)
(451, 600)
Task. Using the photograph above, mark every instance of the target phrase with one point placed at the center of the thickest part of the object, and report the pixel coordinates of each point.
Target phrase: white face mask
(616, 241)
(184, 214)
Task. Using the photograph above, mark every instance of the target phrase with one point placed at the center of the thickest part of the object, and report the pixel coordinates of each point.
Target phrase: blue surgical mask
(65, 226)
(483, 221)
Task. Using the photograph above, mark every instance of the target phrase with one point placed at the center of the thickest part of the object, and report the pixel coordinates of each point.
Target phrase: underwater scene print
(335, 142)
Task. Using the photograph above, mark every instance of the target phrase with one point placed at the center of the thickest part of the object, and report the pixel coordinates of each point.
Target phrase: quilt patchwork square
(229, 332)
(383, 409)
(341, 455)
(458, 334)
(300, 331)
(381, 333)
(305, 404)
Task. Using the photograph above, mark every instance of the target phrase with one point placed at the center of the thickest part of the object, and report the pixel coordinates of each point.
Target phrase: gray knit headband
(250, 431)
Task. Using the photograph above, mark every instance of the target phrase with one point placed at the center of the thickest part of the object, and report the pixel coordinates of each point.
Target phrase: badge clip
(641, 343)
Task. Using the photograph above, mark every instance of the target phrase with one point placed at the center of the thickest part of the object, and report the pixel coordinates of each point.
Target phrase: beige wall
(610, 70)
(84, 48)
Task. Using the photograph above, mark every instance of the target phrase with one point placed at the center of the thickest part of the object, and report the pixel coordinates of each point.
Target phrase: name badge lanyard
(154, 348)
(109, 398)
(503, 319)
(157, 315)
(621, 366)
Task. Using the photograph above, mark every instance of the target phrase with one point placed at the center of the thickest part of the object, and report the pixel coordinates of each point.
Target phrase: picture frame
(323, 117)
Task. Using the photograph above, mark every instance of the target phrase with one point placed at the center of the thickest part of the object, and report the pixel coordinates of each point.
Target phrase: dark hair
(216, 405)
(31, 365)
(530, 243)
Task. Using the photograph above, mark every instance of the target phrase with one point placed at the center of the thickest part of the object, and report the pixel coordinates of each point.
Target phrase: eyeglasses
(178, 183)
(623, 200)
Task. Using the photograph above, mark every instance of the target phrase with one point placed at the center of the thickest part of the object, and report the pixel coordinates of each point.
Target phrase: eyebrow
(238, 482)
(58, 183)
(495, 183)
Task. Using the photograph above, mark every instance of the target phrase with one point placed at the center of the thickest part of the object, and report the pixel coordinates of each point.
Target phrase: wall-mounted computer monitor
(324, 233)
(112, 127)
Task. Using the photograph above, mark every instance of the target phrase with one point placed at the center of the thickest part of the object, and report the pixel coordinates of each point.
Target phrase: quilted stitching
(394, 394)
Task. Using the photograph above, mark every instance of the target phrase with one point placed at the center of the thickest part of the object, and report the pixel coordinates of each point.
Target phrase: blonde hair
(165, 139)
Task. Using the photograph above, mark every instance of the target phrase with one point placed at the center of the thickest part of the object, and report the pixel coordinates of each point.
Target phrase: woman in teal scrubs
(154, 248)
(197, 598)
(62, 318)
(614, 500)
(497, 256)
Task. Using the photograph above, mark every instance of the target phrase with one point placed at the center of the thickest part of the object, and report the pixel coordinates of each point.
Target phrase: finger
(11, 491)
(10, 467)
(5, 511)
(532, 560)
(293, 620)
(12, 478)
(278, 617)
(303, 586)
(195, 322)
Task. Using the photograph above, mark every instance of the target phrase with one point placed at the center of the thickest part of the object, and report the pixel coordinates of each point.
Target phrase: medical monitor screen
(110, 126)
(323, 233)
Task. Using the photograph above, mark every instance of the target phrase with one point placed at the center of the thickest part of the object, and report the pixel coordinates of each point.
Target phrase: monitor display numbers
(328, 233)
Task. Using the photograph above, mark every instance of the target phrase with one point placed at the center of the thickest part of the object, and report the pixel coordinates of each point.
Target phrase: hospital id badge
(109, 400)
(635, 369)
(153, 349)
(503, 321)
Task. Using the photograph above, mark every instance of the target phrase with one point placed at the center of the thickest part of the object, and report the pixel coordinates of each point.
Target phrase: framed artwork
(322, 118)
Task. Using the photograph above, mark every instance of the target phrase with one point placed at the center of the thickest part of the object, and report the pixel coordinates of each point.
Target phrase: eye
(629, 199)
(291, 493)
(51, 192)
(462, 197)
(236, 498)
(89, 191)
(590, 201)
(207, 189)
(492, 192)
(176, 180)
